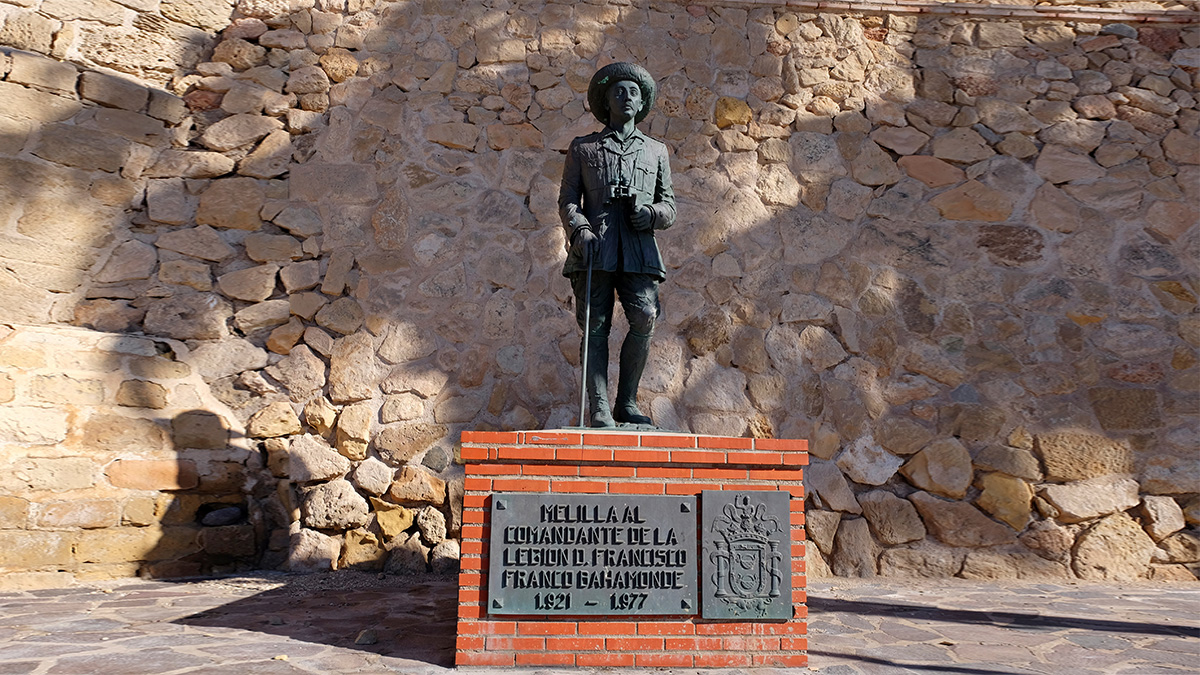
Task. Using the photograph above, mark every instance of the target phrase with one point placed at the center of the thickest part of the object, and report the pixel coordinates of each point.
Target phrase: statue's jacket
(596, 165)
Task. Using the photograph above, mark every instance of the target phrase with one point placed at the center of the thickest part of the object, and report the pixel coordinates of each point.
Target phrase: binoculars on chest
(626, 196)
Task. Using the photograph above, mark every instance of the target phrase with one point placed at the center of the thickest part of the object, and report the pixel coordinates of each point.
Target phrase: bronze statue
(616, 191)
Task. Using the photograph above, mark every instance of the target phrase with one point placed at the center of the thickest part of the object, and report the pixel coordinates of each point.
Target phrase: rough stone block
(237, 131)
(353, 373)
(103, 11)
(373, 477)
(199, 429)
(409, 557)
(232, 203)
(943, 467)
(926, 559)
(85, 513)
(195, 316)
(271, 158)
(855, 553)
(29, 31)
(13, 134)
(122, 434)
(302, 372)
(142, 394)
(14, 513)
(1088, 499)
(253, 284)
(362, 550)
(33, 426)
(830, 485)
(131, 126)
(131, 260)
(153, 474)
(140, 512)
(31, 581)
(277, 248)
(1119, 409)
(400, 443)
(276, 419)
(973, 201)
(66, 390)
(354, 430)
(113, 91)
(1079, 454)
(209, 15)
(134, 544)
(167, 201)
(262, 315)
(1114, 549)
(26, 550)
(190, 164)
(334, 505)
(340, 263)
(1006, 498)
(311, 551)
(44, 73)
(191, 273)
(988, 565)
(167, 107)
(866, 463)
(959, 523)
(892, 519)
(82, 148)
(322, 183)
(311, 459)
(1161, 516)
(157, 367)
(415, 486)
(444, 558)
(223, 478)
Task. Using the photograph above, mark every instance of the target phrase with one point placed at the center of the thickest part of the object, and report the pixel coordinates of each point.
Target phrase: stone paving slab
(274, 624)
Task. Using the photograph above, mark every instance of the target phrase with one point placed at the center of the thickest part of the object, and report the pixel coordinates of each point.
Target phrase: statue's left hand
(642, 217)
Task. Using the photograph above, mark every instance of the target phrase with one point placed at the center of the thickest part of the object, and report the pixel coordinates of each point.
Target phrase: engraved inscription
(592, 554)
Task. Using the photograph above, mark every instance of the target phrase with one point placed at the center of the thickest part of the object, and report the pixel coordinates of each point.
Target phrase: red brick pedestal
(574, 461)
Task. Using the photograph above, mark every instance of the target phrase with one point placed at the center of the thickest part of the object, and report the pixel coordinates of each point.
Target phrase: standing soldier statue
(616, 191)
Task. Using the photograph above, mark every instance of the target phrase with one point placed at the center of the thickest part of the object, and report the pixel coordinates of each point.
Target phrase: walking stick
(587, 327)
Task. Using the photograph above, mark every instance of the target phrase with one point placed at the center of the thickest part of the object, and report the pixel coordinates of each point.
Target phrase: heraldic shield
(746, 563)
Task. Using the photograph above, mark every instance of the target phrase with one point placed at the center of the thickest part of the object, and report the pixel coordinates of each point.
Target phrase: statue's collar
(610, 134)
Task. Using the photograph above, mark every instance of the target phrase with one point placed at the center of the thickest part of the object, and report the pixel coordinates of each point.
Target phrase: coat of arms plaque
(747, 552)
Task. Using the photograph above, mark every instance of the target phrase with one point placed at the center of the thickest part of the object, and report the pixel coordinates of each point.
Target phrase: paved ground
(273, 624)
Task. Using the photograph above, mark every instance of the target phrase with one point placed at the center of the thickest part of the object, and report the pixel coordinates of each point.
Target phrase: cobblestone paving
(274, 624)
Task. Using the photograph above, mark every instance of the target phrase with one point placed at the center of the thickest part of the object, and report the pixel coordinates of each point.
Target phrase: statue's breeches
(638, 294)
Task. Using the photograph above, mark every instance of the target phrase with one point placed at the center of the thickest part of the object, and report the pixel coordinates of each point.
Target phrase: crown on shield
(741, 521)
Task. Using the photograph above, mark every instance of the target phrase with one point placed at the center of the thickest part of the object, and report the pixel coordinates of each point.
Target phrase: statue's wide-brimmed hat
(615, 72)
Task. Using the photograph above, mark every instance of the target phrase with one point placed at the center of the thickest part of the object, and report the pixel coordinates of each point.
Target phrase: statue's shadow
(409, 618)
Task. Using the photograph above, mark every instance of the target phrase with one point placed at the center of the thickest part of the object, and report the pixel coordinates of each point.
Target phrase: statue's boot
(597, 383)
(634, 353)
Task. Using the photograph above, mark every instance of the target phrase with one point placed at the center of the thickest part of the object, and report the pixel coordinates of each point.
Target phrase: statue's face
(624, 101)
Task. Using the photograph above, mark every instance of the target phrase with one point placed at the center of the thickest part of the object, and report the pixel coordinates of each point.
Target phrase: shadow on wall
(213, 521)
(94, 194)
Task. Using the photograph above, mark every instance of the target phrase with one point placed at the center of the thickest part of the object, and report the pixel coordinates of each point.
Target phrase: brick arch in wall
(390, 189)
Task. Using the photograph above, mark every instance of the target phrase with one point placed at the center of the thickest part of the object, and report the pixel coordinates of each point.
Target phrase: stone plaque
(746, 561)
(557, 554)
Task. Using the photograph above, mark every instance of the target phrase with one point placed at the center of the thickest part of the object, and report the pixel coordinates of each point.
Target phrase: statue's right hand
(586, 241)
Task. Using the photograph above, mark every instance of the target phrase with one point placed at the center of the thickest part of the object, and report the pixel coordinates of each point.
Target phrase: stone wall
(956, 253)
(117, 462)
